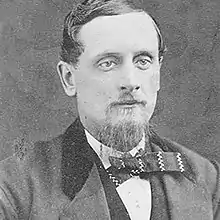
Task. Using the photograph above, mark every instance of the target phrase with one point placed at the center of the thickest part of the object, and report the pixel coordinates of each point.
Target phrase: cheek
(155, 82)
(94, 94)
(151, 84)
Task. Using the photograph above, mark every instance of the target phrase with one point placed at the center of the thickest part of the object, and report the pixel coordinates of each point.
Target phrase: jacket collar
(84, 180)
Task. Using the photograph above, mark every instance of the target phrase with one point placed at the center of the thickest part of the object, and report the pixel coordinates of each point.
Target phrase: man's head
(111, 56)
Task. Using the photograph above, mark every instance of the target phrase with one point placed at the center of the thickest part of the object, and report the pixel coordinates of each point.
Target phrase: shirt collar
(104, 152)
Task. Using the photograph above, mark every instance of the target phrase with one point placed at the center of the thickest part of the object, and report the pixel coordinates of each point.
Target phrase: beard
(125, 134)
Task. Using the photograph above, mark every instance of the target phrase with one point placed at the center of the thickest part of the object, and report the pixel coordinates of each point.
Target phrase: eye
(143, 64)
(106, 65)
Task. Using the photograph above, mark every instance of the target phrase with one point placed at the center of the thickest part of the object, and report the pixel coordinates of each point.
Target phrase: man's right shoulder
(28, 157)
(27, 166)
(30, 153)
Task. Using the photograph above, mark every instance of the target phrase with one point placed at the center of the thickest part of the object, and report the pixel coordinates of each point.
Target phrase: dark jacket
(64, 179)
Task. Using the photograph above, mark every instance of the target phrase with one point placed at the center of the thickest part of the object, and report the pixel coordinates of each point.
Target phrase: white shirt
(135, 193)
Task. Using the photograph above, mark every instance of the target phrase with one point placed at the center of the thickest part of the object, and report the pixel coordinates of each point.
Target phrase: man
(110, 164)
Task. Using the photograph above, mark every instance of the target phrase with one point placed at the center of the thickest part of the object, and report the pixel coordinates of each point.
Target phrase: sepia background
(33, 105)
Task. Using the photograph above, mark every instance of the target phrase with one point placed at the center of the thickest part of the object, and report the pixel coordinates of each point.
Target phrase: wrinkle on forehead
(131, 31)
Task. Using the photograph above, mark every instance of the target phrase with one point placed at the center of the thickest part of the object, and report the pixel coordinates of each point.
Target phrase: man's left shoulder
(192, 155)
(206, 170)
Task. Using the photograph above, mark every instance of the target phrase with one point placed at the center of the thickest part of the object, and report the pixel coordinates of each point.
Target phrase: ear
(157, 80)
(156, 77)
(66, 73)
(161, 60)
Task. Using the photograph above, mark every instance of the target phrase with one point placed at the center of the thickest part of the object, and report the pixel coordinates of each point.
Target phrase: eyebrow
(144, 53)
(116, 54)
(107, 54)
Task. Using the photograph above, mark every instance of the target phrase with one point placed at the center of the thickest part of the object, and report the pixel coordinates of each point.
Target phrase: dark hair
(71, 47)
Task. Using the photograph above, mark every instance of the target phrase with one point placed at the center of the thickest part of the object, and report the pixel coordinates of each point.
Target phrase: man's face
(118, 73)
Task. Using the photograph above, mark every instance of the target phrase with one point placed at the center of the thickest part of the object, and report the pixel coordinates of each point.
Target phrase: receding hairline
(123, 14)
(79, 16)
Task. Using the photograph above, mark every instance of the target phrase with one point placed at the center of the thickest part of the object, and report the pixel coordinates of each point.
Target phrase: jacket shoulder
(20, 172)
(27, 155)
(201, 164)
(207, 172)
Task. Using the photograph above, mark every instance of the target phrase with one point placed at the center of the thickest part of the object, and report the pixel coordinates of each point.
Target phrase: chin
(123, 131)
(136, 115)
(133, 118)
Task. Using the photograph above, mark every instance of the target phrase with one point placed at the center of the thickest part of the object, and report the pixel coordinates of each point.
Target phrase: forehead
(120, 33)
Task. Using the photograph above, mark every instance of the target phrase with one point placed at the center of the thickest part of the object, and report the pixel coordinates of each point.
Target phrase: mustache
(128, 99)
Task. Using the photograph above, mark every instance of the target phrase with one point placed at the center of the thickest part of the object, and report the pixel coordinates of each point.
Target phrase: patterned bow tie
(144, 163)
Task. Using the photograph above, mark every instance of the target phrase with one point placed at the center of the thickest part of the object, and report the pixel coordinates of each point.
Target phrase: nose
(129, 88)
(129, 81)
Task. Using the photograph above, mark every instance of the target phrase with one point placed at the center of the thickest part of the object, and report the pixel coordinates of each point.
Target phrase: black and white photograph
(109, 110)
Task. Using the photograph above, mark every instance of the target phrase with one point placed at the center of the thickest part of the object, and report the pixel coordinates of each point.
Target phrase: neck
(92, 126)
(104, 152)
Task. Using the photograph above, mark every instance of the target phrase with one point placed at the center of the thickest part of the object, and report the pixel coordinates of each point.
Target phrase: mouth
(130, 103)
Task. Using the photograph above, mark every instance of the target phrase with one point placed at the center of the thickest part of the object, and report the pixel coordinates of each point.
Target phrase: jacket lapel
(90, 202)
(85, 182)
(183, 196)
(115, 204)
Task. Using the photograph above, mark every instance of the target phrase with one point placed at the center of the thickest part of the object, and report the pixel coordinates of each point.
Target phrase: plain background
(33, 105)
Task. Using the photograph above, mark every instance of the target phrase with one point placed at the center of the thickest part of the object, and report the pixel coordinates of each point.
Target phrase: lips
(130, 102)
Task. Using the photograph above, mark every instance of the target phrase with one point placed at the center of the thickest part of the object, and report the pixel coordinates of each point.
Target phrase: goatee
(123, 136)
